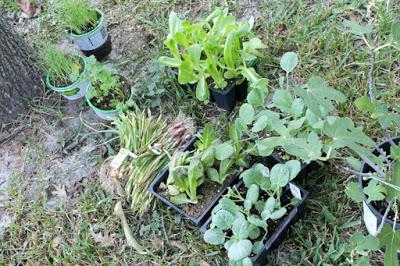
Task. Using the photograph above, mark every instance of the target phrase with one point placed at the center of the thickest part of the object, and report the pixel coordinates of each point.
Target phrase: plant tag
(370, 220)
(120, 158)
(296, 192)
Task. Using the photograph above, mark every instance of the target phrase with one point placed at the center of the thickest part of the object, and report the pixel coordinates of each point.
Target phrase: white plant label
(370, 220)
(296, 192)
(120, 158)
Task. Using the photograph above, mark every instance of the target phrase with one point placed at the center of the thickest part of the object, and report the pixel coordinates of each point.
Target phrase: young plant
(381, 184)
(63, 69)
(240, 220)
(106, 85)
(301, 120)
(77, 16)
(211, 52)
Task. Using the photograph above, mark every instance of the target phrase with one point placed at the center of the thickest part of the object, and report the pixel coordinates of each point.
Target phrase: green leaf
(391, 240)
(294, 168)
(214, 236)
(247, 262)
(186, 74)
(260, 124)
(175, 24)
(241, 228)
(240, 250)
(229, 50)
(396, 31)
(246, 113)
(356, 28)
(395, 180)
(207, 157)
(223, 219)
(169, 61)
(257, 221)
(270, 204)
(352, 191)
(213, 174)
(375, 191)
(253, 193)
(280, 175)
(223, 151)
(194, 52)
(278, 214)
(257, 247)
(297, 107)
(254, 232)
(256, 96)
(258, 174)
(364, 244)
(182, 199)
(289, 61)
(202, 92)
(283, 100)
(354, 163)
(227, 204)
(364, 104)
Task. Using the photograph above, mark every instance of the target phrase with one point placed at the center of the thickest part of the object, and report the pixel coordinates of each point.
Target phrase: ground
(52, 207)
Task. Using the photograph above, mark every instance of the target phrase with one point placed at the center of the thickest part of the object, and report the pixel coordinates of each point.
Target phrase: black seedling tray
(162, 177)
(225, 99)
(276, 238)
(365, 168)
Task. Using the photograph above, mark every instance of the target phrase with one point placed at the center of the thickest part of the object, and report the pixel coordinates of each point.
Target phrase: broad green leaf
(223, 219)
(252, 46)
(356, 28)
(223, 151)
(294, 168)
(194, 52)
(182, 199)
(257, 221)
(257, 247)
(214, 236)
(283, 100)
(353, 191)
(253, 193)
(213, 174)
(375, 191)
(280, 175)
(246, 113)
(278, 214)
(202, 92)
(186, 74)
(364, 244)
(241, 228)
(207, 157)
(289, 61)
(297, 107)
(254, 232)
(391, 240)
(270, 204)
(247, 262)
(363, 261)
(260, 124)
(395, 180)
(228, 205)
(257, 96)
(229, 50)
(175, 24)
(240, 250)
(396, 31)
(258, 174)
(364, 104)
(169, 61)
(354, 163)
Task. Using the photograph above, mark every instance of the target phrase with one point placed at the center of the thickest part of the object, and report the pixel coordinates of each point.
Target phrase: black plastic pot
(162, 177)
(241, 91)
(276, 238)
(365, 168)
(101, 52)
(225, 99)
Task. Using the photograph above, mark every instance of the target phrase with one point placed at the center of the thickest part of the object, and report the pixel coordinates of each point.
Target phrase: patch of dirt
(106, 103)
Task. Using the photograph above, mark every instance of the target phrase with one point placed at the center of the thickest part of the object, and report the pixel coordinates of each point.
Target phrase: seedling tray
(162, 177)
(225, 99)
(279, 234)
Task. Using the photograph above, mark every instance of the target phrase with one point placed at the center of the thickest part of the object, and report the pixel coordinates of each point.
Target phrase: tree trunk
(20, 79)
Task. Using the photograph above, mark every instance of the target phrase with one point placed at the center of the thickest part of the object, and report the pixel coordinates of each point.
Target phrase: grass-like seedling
(63, 69)
(78, 16)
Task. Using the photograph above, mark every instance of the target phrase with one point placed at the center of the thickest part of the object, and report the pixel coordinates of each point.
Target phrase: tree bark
(20, 78)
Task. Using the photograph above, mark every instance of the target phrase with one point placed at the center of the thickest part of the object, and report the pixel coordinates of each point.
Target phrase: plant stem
(384, 217)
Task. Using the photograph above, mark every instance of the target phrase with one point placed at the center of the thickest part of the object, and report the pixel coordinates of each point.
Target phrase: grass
(311, 28)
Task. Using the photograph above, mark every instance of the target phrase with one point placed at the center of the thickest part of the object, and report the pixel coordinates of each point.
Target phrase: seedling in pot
(85, 25)
(212, 53)
(109, 93)
(379, 179)
(64, 72)
(242, 217)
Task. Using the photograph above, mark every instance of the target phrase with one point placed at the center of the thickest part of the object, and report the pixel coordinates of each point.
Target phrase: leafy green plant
(78, 16)
(383, 181)
(301, 120)
(211, 52)
(63, 69)
(240, 220)
(106, 85)
(212, 160)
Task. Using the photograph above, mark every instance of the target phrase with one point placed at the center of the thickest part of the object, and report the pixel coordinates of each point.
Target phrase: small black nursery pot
(373, 211)
(275, 237)
(96, 42)
(225, 99)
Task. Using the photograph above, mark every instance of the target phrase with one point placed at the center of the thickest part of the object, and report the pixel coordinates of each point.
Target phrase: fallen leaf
(28, 8)
(105, 240)
(178, 244)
